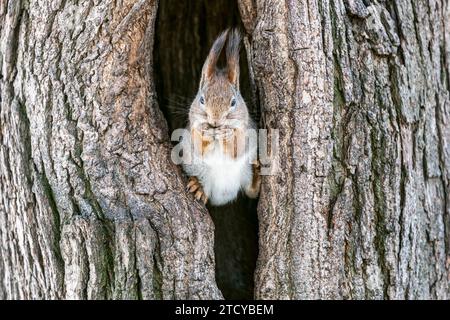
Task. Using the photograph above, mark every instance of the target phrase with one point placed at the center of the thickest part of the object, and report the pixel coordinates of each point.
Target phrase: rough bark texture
(90, 202)
(92, 207)
(360, 93)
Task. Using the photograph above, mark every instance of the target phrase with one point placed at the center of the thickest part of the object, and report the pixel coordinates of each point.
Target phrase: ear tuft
(209, 68)
(233, 46)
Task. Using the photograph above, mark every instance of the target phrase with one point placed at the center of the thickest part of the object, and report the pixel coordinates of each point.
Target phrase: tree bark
(91, 206)
(360, 94)
(90, 201)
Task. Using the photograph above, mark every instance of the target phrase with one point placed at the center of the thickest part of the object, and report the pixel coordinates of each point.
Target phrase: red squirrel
(223, 160)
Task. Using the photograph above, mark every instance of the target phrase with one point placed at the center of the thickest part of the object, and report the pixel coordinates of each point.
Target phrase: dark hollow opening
(185, 31)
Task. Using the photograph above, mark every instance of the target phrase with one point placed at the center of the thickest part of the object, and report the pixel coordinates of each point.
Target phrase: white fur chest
(222, 176)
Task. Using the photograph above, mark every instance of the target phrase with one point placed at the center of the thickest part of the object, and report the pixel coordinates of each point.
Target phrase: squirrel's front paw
(196, 189)
(223, 133)
(252, 190)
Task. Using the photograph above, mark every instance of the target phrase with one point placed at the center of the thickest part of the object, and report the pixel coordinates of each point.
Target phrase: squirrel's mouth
(213, 126)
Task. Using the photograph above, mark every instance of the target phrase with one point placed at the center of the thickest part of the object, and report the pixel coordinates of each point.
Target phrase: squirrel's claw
(192, 186)
(205, 199)
(198, 194)
(195, 188)
(201, 196)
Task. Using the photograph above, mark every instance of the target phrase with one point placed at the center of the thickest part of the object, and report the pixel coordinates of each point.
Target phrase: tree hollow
(184, 34)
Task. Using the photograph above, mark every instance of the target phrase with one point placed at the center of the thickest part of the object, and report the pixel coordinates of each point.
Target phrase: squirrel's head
(218, 102)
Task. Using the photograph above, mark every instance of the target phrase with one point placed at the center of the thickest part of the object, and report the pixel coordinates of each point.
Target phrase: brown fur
(233, 145)
(202, 143)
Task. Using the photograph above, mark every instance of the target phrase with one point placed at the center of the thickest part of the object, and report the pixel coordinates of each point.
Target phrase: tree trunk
(360, 95)
(91, 206)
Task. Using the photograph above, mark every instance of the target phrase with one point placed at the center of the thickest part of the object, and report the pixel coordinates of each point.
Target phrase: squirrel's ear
(233, 57)
(209, 68)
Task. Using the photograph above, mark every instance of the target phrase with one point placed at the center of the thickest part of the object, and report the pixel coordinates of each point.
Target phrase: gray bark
(360, 94)
(90, 202)
(92, 207)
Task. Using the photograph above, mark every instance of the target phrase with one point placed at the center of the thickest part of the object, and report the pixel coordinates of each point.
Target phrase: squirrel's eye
(233, 103)
(202, 100)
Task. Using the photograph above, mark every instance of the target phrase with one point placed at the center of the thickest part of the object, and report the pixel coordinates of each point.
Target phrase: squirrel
(223, 159)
